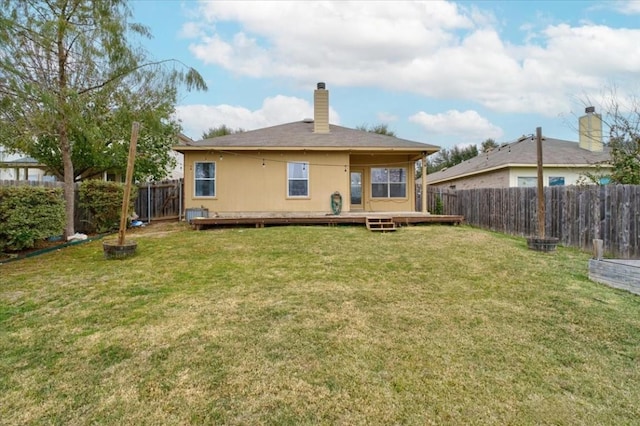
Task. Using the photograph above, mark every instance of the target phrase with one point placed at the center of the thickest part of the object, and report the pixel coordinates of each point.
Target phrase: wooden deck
(260, 220)
(618, 273)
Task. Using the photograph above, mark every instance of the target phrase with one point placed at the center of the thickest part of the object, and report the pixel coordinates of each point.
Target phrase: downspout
(424, 183)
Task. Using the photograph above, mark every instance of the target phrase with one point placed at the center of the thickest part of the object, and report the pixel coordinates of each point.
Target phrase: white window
(527, 182)
(389, 183)
(205, 179)
(298, 179)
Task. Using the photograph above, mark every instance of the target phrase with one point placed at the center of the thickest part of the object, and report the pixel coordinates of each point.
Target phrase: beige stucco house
(515, 164)
(297, 167)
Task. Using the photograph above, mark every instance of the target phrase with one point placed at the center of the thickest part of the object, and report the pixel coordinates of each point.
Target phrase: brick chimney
(321, 109)
(590, 128)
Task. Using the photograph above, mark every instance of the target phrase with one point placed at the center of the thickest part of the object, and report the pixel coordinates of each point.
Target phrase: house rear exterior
(515, 164)
(298, 167)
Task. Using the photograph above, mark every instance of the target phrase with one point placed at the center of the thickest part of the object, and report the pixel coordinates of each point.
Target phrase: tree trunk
(63, 129)
(69, 184)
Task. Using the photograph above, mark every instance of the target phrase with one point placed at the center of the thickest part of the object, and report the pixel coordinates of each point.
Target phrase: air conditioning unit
(192, 213)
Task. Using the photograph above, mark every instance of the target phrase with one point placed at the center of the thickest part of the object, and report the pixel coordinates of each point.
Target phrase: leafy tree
(599, 176)
(488, 145)
(108, 151)
(458, 155)
(71, 84)
(448, 158)
(624, 140)
(381, 129)
(221, 130)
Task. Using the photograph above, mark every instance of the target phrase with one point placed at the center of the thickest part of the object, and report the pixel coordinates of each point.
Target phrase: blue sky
(444, 73)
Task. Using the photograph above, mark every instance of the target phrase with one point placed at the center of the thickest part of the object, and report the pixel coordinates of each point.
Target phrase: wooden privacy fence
(574, 214)
(159, 200)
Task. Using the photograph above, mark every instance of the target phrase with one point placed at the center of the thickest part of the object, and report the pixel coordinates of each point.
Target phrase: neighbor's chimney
(590, 127)
(321, 109)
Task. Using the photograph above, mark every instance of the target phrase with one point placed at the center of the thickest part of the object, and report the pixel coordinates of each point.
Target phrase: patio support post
(424, 182)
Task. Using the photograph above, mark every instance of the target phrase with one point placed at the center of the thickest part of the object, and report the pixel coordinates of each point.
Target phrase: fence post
(597, 249)
(180, 200)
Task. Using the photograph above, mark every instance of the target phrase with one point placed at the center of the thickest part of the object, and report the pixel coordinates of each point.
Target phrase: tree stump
(114, 250)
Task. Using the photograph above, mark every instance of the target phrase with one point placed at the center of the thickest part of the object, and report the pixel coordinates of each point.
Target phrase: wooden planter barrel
(113, 250)
(542, 244)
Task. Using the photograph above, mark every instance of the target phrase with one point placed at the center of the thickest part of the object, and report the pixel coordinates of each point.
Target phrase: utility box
(192, 213)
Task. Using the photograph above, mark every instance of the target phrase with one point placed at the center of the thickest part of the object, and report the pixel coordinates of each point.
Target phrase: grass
(316, 325)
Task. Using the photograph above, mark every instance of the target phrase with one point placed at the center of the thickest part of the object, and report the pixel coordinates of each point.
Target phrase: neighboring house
(515, 164)
(297, 167)
(178, 170)
(19, 167)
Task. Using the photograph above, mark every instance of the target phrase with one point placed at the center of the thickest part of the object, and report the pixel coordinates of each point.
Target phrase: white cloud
(191, 30)
(436, 49)
(467, 126)
(279, 109)
(628, 7)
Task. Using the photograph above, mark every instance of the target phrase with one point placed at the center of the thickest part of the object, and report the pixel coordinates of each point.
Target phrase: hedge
(29, 214)
(103, 200)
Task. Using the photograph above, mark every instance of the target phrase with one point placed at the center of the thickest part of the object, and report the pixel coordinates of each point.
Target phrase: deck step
(382, 224)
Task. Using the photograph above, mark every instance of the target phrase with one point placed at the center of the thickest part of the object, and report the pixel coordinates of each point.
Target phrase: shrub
(103, 200)
(439, 208)
(29, 214)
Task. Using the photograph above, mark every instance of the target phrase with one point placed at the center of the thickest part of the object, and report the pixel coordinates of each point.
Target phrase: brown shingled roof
(300, 135)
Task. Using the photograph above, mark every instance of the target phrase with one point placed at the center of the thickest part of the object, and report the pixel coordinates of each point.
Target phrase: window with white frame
(205, 179)
(389, 182)
(527, 182)
(298, 179)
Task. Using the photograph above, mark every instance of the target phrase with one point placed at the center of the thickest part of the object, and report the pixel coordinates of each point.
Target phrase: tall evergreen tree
(448, 158)
(488, 145)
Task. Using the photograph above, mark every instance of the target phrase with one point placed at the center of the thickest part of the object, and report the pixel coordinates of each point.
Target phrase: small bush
(439, 208)
(103, 200)
(29, 214)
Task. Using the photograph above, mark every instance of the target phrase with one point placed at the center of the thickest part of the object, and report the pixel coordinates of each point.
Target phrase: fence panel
(160, 200)
(574, 214)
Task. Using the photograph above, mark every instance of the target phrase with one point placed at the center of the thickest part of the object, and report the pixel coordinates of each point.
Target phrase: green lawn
(316, 325)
